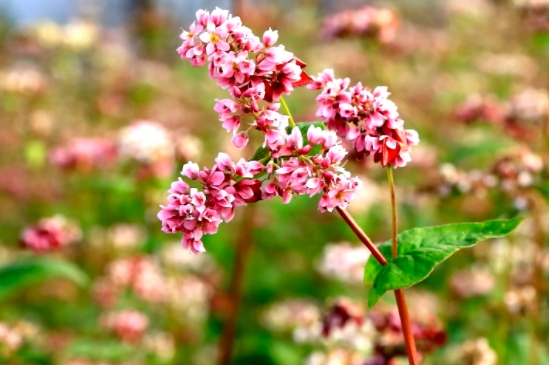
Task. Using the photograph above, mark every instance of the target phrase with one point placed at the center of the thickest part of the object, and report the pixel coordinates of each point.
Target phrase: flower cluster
(10, 339)
(138, 273)
(251, 69)
(515, 174)
(344, 262)
(320, 173)
(228, 185)
(347, 334)
(520, 117)
(225, 186)
(128, 325)
(146, 142)
(368, 22)
(293, 315)
(367, 118)
(84, 154)
(295, 161)
(50, 234)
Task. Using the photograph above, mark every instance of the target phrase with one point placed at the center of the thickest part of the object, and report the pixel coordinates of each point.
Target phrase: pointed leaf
(420, 250)
(20, 274)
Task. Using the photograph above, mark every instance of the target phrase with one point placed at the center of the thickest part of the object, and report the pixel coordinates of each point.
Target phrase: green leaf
(106, 350)
(21, 274)
(420, 250)
(260, 154)
(35, 153)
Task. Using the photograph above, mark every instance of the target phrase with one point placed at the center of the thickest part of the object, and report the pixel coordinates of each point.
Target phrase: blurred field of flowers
(96, 122)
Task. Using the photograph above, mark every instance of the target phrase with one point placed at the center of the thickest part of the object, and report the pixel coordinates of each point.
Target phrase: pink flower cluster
(128, 325)
(367, 118)
(302, 162)
(368, 22)
(225, 186)
(84, 154)
(291, 171)
(301, 173)
(50, 234)
(138, 273)
(251, 69)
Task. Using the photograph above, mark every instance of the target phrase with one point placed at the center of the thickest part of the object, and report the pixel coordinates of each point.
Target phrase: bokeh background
(98, 113)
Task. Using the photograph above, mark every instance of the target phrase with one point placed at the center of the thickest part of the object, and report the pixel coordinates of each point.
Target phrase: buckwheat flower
(256, 74)
(367, 118)
(472, 282)
(344, 262)
(478, 352)
(162, 344)
(368, 22)
(289, 314)
(138, 273)
(251, 70)
(84, 154)
(195, 213)
(126, 236)
(146, 142)
(105, 292)
(270, 37)
(190, 295)
(10, 339)
(128, 325)
(183, 260)
(50, 234)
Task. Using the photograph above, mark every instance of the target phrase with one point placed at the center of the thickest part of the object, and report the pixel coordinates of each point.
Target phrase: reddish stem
(399, 297)
(406, 325)
(362, 236)
(244, 244)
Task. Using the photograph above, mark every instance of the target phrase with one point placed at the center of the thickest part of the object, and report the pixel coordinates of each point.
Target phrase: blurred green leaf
(35, 153)
(543, 190)
(420, 250)
(100, 350)
(21, 274)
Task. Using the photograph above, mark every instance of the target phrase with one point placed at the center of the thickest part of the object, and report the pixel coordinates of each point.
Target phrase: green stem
(287, 111)
(393, 212)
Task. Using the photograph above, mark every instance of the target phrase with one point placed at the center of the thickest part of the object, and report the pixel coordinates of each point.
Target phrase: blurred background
(98, 113)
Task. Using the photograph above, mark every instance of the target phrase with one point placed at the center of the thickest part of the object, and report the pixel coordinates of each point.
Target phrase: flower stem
(287, 111)
(399, 295)
(244, 245)
(362, 236)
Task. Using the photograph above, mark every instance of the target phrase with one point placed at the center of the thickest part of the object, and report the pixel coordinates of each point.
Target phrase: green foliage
(23, 273)
(101, 350)
(420, 250)
(35, 153)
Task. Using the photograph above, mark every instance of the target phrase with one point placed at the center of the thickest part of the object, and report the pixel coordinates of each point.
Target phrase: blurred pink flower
(84, 154)
(128, 325)
(368, 22)
(50, 234)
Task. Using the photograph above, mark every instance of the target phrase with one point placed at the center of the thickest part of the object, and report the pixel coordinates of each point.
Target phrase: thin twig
(287, 111)
(393, 213)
